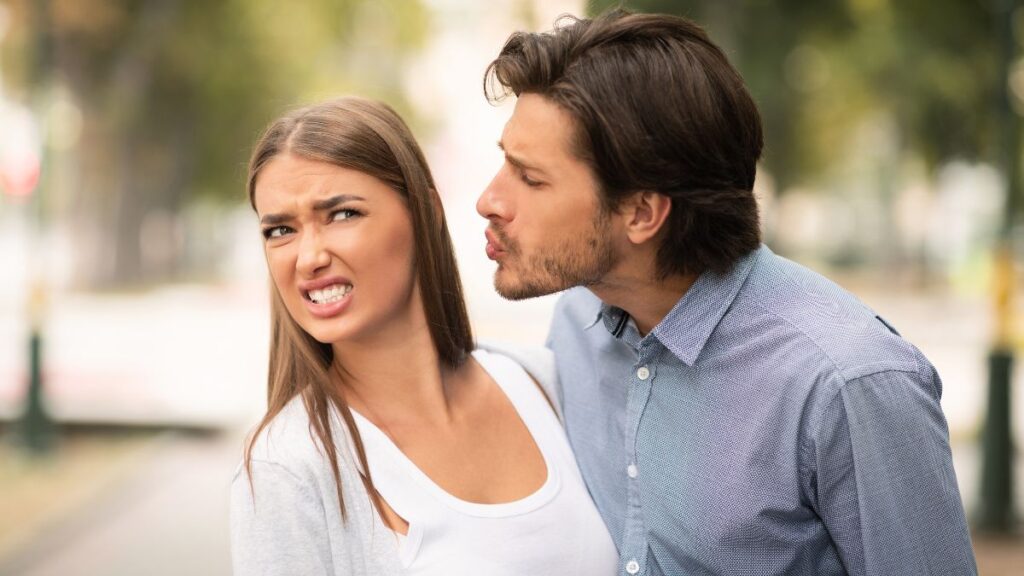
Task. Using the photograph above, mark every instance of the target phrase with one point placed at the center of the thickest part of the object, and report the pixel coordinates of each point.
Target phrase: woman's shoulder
(538, 362)
(289, 442)
(285, 437)
(285, 512)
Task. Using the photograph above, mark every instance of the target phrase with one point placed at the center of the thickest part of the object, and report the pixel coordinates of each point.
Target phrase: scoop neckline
(524, 505)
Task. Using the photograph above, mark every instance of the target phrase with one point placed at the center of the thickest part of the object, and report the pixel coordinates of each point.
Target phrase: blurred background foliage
(866, 103)
(155, 103)
(168, 96)
(820, 70)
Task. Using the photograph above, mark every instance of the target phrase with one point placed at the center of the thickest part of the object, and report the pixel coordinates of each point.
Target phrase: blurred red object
(19, 176)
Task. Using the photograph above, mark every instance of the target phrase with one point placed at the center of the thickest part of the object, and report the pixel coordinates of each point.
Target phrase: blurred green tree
(818, 70)
(173, 93)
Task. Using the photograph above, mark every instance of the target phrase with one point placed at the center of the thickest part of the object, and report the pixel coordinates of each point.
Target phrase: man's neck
(646, 299)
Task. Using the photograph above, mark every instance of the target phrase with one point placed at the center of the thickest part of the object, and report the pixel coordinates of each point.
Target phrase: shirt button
(643, 373)
(632, 566)
(631, 470)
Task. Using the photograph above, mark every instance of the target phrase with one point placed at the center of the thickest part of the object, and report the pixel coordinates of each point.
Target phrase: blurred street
(189, 356)
(163, 512)
(154, 501)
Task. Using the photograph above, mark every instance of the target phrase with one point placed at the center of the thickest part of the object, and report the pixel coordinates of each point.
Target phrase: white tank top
(555, 530)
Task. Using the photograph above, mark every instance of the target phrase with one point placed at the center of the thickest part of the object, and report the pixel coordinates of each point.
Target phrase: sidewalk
(156, 504)
(999, 556)
(40, 493)
(996, 555)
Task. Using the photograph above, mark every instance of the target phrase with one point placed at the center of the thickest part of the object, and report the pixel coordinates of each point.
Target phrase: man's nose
(494, 203)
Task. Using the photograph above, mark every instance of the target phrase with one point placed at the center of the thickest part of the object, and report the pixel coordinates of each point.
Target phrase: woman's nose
(313, 254)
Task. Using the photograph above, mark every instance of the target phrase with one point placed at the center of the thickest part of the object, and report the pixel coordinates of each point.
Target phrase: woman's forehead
(289, 180)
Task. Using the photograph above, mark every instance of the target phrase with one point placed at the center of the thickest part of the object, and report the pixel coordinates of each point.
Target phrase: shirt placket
(634, 549)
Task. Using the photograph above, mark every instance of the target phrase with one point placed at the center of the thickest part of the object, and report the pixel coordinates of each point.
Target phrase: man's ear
(645, 215)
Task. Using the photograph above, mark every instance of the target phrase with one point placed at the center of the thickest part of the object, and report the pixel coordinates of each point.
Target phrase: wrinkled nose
(313, 254)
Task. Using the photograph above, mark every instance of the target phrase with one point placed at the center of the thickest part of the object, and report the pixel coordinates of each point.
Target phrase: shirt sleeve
(278, 525)
(884, 480)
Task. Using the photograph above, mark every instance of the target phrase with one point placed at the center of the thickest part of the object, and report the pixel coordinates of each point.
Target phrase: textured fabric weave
(770, 424)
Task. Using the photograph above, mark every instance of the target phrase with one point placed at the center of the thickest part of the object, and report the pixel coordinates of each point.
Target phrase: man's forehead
(537, 126)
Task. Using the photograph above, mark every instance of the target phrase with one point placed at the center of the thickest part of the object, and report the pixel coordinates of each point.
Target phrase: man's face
(548, 229)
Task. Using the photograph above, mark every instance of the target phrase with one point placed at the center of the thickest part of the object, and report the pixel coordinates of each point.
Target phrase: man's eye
(344, 214)
(529, 181)
(275, 232)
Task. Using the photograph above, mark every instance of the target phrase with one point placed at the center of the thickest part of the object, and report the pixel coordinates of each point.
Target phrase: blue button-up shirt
(770, 424)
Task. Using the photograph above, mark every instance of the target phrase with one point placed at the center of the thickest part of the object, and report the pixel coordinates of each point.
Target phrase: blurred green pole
(37, 428)
(996, 512)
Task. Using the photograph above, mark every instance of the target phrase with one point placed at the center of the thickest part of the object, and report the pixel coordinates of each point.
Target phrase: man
(732, 412)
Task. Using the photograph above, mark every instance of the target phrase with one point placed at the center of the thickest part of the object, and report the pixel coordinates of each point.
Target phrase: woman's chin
(329, 336)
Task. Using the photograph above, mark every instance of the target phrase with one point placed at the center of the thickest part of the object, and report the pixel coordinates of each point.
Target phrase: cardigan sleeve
(278, 525)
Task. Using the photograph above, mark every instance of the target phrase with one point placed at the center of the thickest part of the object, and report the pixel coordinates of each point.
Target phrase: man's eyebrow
(318, 206)
(517, 161)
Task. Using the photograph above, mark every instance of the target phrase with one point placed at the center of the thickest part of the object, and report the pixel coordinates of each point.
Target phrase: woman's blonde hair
(369, 137)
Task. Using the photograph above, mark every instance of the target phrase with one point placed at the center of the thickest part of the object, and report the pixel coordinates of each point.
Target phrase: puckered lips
(494, 249)
(327, 297)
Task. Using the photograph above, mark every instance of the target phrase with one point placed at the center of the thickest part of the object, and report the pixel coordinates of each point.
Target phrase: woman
(389, 445)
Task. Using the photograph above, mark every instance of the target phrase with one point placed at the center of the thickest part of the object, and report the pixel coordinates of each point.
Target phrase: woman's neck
(389, 379)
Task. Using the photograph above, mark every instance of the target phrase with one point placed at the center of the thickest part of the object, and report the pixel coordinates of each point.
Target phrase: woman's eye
(344, 214)
(275, 232)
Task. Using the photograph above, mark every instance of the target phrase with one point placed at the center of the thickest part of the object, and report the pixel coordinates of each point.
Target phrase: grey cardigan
(287, 520)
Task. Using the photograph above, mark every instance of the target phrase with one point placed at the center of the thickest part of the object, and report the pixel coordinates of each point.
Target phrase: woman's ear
(644, 215)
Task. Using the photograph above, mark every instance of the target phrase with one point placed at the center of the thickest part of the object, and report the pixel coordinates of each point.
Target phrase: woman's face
(339, 247)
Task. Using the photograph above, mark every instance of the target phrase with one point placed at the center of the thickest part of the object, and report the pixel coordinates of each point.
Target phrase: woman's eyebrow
(327, 204)
(318, 206)
(275, 219)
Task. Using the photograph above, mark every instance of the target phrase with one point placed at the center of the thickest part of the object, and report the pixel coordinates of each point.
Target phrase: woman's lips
(321, 283)
(325, 309)
(329, 309)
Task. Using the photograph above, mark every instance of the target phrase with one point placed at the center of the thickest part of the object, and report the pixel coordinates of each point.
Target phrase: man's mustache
(507, 244)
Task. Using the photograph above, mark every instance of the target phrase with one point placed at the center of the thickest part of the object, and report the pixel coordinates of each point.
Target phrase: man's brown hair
(657, 107)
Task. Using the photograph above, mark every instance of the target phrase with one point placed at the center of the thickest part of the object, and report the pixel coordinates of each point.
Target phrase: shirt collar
(613, 318)
(686, 328)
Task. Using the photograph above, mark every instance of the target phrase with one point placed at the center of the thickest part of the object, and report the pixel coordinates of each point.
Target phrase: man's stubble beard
(573, 262)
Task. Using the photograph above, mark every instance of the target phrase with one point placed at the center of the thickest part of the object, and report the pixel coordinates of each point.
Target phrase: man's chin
(515, 289)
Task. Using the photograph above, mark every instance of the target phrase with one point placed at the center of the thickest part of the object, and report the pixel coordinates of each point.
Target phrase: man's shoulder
(790, 302)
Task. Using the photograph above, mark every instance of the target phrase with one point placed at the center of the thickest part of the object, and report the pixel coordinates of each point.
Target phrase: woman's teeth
(330, 294)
